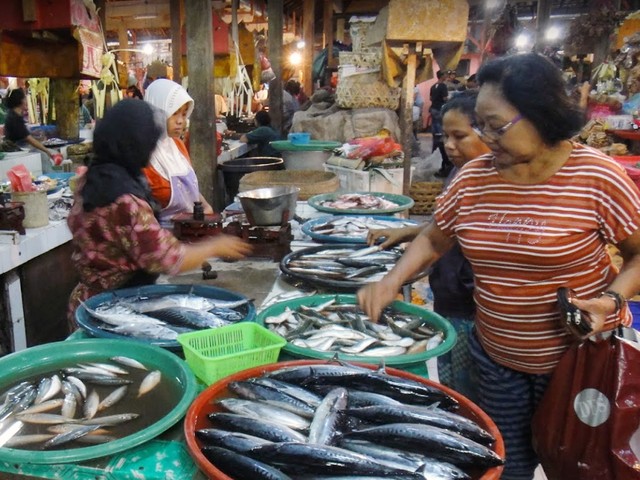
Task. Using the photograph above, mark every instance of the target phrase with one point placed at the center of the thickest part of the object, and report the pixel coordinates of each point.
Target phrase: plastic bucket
(36, 208)
(415, 363)
(234, 170)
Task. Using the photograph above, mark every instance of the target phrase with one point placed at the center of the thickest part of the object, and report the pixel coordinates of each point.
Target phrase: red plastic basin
(204, 404)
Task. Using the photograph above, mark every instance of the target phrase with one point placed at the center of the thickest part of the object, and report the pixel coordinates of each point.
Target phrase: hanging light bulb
(147, 49)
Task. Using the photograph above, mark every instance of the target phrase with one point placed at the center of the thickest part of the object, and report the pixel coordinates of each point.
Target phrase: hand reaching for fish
(392, 236)
(373, 297)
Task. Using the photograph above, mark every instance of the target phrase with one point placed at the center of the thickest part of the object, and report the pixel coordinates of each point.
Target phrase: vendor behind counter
(262, 136)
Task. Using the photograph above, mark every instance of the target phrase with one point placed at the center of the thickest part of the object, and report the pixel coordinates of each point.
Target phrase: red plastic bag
(587, 425)
(20, 179)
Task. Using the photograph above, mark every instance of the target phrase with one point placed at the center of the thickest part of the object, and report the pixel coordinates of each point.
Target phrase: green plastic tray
(410, 363)
(45, 358)
(403, 202)
(311, 146)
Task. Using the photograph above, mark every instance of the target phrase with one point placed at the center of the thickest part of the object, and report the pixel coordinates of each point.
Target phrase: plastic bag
(20, 179)
(587, 424)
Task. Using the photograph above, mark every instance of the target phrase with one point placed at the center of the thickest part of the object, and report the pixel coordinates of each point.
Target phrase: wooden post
(275, 13)
(176, 39)
(123, 43)
(308, 18)
(203, 120)
(406, 114)
(328, 32)
(65, 97)
(542, 22)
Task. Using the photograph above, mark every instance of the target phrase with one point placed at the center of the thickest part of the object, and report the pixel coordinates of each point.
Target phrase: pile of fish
(165, 317)
(355, 227)
(352, 267)
(359, 201)
(73, 404)
(341, 421)
(344, 328)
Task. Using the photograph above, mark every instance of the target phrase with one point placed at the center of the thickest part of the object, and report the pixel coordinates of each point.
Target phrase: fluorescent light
(552, 33)
(145, 17)
(148, 49)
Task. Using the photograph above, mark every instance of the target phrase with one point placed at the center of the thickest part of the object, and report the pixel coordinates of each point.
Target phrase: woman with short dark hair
(534, 215)
(15, 128)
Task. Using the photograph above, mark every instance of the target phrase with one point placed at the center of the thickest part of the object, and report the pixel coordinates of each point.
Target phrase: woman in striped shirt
(534, 215)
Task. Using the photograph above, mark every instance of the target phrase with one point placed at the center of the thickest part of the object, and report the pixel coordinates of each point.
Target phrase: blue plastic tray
(91, 324)
(307, 228)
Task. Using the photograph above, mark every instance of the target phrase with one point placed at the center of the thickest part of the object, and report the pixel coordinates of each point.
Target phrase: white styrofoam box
(31, 160)
(388, 180)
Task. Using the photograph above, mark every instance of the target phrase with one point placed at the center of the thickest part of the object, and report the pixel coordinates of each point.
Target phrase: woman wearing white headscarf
(171, 177)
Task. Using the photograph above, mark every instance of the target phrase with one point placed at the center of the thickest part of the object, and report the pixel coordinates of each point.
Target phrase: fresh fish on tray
(351, 266)
(345, 328)
(355, 227)
(359, 201)
(164, 317)
(344, 438)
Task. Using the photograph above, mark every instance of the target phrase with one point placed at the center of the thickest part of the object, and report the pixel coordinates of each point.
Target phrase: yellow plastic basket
(215, 353)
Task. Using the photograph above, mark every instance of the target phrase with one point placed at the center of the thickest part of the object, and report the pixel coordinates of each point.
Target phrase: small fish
(69, 405)
(113, 398)
(129, 362)
(149, 382)
(90, 407)
(45, 406)
(79, 384)
(188, 317)
(110, 368)
(41, 418)
(111, 419)
(63, 438)
(23, 440)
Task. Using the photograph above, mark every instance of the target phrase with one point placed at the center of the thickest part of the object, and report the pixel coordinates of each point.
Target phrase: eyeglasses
(496, 133)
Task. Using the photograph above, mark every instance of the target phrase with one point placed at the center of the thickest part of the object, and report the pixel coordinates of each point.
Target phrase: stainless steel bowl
(269, 206)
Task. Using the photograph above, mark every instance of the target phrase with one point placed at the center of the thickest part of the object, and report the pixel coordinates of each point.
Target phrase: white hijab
(168, 96)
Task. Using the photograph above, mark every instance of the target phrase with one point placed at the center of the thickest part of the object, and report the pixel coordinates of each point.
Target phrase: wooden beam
(275, 14)
(175, 9)
(202, 138)
(308, 20)
(406, 112)
(328, 36)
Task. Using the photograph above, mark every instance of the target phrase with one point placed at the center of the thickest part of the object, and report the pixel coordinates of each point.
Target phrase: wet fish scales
(236, 465)
(264, 429)
(438, 443)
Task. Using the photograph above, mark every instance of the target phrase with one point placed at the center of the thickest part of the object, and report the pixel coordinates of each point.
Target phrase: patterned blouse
(114, 242)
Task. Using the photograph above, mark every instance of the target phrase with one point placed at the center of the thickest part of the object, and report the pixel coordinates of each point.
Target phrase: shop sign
(91, 50)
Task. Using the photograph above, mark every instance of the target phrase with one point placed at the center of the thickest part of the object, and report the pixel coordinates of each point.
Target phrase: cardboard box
(387, 180)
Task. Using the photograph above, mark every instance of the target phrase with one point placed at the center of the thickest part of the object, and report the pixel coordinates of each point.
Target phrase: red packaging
(20, 179)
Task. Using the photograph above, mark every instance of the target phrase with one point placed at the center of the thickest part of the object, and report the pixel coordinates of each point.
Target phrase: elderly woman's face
(177, 123)
(511, 138)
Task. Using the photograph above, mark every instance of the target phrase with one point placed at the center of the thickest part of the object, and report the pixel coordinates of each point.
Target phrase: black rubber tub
(234, 170)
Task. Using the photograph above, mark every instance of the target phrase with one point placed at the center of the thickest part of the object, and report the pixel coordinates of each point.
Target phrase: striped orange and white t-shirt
(525, 241)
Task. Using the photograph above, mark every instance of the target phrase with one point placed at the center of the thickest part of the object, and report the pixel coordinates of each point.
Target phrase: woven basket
(366, 90)
(424, 195)
(370, 59)
(310, 182)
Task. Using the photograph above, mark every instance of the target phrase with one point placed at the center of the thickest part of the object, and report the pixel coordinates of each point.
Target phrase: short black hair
(292, 86)
(440, 74)
(14, 98)
(463, 102)
(263, 118)
(534, 86)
